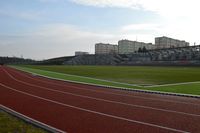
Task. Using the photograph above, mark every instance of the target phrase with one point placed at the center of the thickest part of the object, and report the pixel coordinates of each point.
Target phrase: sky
(42, 29)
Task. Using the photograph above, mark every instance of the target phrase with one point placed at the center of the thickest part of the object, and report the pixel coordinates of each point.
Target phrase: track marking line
(80, 88)
(95, 112)
(99, 99)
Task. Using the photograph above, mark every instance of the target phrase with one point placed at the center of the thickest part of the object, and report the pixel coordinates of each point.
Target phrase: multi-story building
(166, 42)
(77, 53)
(102, 48)
(128, 47)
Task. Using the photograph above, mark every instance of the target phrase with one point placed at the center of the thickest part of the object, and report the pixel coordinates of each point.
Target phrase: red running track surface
(78, 108)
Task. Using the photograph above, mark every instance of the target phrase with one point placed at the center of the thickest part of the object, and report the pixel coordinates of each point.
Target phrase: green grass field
(139, 77)
(10, 124)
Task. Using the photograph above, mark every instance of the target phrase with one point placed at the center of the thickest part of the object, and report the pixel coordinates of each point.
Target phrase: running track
(77, 108)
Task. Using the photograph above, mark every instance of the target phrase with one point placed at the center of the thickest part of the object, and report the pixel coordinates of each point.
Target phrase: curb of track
(114, 87)
(30, 120)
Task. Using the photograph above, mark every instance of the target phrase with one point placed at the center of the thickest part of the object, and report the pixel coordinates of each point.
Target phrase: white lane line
(126, 95)
(174, 84)
(95, 112)
(30, 120)
(99, 99)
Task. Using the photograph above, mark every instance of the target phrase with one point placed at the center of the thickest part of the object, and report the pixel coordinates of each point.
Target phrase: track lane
(108, 105)
(99, 99)
(60, 115)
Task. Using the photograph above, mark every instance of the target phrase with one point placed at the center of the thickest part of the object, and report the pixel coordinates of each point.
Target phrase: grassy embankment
(10, 124)
(127, 76)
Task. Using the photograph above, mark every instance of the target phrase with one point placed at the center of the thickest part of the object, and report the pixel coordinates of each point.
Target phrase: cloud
(67, 31)
(109, 3)
(52, 40)
(49, 1)
(163, 7)
(184, 30)
(141, 26)
(25, 15)
(178, 19)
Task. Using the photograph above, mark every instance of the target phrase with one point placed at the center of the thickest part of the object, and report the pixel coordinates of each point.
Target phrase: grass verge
(10, 124)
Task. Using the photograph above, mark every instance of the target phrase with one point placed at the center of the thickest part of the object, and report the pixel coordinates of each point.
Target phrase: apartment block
(103, 48)
(128, 47)
(166, 42)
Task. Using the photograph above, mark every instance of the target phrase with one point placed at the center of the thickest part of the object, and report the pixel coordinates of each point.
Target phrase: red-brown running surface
(78, 108)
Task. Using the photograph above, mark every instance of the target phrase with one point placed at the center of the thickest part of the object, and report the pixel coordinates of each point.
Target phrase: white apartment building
(128, 47)
(166, 42)
(102, 48)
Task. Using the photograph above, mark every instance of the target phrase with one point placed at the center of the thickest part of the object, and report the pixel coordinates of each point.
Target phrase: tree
(144, 50)
(139, 50)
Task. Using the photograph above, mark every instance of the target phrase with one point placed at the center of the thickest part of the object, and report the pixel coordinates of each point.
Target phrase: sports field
(168, 79)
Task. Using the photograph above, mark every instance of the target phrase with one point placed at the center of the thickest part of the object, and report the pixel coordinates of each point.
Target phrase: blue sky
(42, 29)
